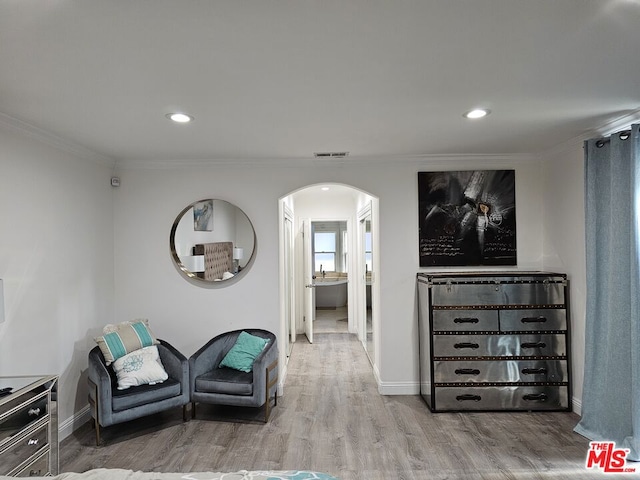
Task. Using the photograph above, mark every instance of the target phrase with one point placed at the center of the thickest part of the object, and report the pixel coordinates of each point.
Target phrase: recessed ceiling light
(324, 189)
(179, 117)
(477, 113)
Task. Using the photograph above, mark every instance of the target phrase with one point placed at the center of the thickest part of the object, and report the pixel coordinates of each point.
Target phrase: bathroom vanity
(494, 341)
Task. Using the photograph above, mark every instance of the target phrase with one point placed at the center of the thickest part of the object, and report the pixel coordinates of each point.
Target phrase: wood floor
(332, 419)
(331, 320)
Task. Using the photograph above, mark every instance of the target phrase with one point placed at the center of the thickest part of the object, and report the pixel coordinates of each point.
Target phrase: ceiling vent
(330, 154)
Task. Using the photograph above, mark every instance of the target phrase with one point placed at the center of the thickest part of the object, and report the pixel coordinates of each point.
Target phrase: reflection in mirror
(212, 240)
(368, 262)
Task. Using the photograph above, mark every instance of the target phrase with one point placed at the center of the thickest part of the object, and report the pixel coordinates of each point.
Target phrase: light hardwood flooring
(332, 419)
(331, 320)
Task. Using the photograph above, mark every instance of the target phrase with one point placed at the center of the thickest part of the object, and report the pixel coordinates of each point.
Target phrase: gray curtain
(611, 397)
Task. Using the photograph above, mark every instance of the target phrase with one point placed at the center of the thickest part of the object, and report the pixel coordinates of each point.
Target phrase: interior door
(288, 269)
(362, 291)
(309, 290)
(368, 281)
(366, 274)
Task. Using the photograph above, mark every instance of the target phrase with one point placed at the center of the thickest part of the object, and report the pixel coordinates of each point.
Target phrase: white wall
(564, 243)
(148, 285)
(56, 260)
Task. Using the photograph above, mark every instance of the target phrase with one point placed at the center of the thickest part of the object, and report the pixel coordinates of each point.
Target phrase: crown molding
(55, 141)
(426, 160)
(439, 161)
(604, 130)
(618, 124)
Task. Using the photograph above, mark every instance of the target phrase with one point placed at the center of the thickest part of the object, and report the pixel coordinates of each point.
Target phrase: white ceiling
(286, 78)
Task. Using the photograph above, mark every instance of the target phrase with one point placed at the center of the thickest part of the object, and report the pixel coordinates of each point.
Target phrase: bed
(120, 474)
(218, 259)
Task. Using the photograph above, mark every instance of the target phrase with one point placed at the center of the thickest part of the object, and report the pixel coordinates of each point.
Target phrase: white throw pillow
(140, 367)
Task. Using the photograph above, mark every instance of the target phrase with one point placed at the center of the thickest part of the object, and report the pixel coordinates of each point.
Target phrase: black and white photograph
(467, 218)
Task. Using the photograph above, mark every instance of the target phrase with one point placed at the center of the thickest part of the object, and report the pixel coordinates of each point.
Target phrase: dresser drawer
(501, 398)
(26, 446)
(497, 292)
(20, 413)
(526, 345)
(533, 319)
(38, 468)
(507, 371)
(465, 320)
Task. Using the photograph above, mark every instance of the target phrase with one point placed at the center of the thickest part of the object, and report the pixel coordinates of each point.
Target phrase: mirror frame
(193, 275)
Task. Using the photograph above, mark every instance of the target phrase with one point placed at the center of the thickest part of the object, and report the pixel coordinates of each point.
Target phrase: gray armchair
(225, 386)
(110, 405)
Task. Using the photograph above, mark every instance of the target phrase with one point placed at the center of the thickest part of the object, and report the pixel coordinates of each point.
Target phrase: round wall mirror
(212, 241)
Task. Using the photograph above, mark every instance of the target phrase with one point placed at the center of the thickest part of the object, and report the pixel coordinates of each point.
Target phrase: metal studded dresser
(494, 341)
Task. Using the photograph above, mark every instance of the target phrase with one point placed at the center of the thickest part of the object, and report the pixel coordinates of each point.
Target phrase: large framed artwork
(467, 218)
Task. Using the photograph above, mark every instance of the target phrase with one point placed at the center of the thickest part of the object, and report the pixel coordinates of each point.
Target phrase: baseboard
(577, 405)
(71, 424)
(398, 388)
(281, 380)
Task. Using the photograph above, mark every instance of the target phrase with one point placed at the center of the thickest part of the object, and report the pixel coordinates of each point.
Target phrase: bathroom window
(324, 251)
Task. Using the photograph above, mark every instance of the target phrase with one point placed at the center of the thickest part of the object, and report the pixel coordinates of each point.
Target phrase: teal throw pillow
(244, 352)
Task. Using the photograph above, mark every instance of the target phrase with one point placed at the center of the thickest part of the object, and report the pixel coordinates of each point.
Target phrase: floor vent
(330, 154)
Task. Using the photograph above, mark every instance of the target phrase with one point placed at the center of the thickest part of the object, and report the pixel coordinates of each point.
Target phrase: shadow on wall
(73, 390)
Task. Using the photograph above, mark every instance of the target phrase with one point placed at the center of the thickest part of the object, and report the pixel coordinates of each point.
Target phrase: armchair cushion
(140, 367)
(144, 395)
(244, 352)
(226, 381)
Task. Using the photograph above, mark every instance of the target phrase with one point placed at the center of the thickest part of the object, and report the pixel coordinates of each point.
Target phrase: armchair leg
(97, 426)
(270, 383)
(94, 404)
(193, 409)
(184, 413)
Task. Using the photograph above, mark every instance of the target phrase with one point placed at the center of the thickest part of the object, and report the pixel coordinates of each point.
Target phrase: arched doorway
(329, 205)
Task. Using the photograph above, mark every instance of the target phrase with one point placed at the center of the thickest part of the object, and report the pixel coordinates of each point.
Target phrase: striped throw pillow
(125, 338)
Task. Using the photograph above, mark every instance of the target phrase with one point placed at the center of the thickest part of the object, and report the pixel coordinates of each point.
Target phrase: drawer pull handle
(466, 345)
(465, 320)
(540, 319)
(536, 397)
(534, 371)
(462, 398)
(32, 441)
(534, 345)
(467, 371)
(34, 411)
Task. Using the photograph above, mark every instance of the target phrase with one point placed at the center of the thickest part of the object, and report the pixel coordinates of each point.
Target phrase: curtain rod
(624, 134)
